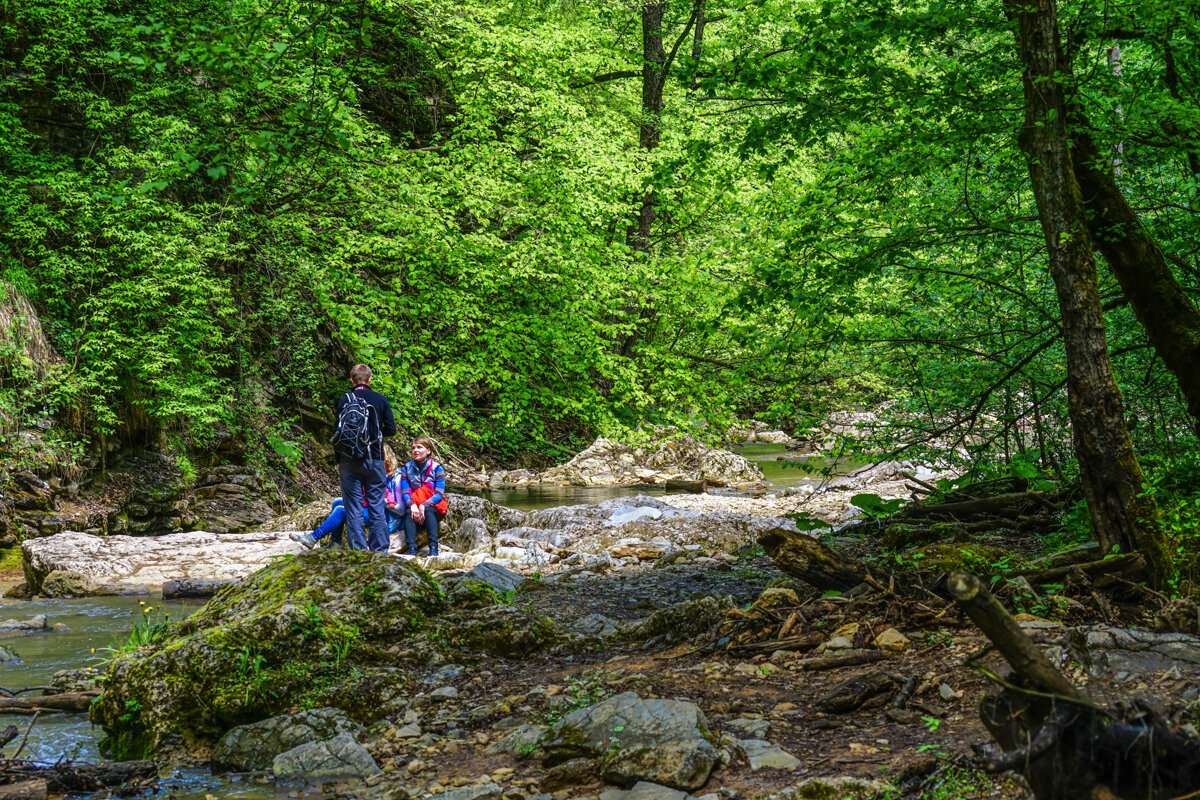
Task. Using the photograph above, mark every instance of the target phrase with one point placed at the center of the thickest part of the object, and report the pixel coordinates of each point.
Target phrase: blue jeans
(432, 518)
(333, 523)
(371, 476)
(337, 517)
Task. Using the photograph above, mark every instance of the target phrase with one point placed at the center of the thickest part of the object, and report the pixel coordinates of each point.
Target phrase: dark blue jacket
(382, 421)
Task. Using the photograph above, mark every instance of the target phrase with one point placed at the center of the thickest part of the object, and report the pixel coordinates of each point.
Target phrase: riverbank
(475, 713)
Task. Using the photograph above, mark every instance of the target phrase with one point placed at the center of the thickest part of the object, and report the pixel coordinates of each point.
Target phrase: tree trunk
(1170, 318)
(1112, 478)
(803, 557)
(654, 64)
(654, 70)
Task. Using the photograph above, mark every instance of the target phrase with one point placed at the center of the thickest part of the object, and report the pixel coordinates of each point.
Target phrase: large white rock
(153, 560)
(608, 463)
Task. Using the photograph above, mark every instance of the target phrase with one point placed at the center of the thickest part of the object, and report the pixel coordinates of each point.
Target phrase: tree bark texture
(650, 128)
(76, 702)
(999, 626)
(1170, 318)
(1111, 476)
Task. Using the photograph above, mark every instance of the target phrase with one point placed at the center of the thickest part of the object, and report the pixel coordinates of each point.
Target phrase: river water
(97, 623)
(782, 468)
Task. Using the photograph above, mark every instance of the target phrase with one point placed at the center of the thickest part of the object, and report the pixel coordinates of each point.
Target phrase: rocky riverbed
(610, 535)
(367, 674)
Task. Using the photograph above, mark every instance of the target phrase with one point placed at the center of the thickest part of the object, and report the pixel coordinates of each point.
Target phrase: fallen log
(1000, 505)
(8, 734)
(72, 777)
(803, 557)
(871, 689)
(1116, 565)
(1065, 746)
(836, 662)
(187, 588)
(805, 641)
(681, 485)
(24, 790)
(76, 702)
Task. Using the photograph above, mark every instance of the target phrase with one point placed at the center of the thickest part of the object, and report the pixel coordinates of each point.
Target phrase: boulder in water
(34, 623)
(305, 631)
(608, 463)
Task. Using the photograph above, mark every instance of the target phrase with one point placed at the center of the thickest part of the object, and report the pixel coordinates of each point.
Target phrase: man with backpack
(364, 418)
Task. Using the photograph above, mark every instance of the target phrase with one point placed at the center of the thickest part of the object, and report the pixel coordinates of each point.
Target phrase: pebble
(448, 692)
(891, 640)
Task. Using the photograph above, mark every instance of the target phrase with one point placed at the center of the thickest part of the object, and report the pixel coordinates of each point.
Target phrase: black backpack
(352, 434)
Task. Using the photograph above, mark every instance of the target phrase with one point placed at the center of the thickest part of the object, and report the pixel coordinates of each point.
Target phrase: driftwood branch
(1004, 632)
(835, 662)
(75, 702)
(1117, 565)
(803, 557)
(74, 777)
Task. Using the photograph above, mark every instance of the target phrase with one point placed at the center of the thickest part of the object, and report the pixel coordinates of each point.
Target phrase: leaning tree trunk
(1112, 478)
(1170, 318)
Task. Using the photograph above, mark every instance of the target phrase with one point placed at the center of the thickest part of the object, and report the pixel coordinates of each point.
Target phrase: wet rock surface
(309, 630)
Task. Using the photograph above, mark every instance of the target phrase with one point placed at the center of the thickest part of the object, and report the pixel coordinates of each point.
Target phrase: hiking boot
(304, 539)
(433, 552)
(335, 545)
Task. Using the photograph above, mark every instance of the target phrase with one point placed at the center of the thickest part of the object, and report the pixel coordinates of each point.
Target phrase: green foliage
(1173, 480)
(875, 506)
(151, 627)
(581, 692)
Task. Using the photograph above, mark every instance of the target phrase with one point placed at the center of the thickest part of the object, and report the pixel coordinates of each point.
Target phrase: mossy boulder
(306, 632)
(977, 558)
(502, 631)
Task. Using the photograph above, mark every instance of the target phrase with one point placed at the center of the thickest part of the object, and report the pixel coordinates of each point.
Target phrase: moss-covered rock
(977, 558)
(501, 630)
(681, 621)
(306, 632)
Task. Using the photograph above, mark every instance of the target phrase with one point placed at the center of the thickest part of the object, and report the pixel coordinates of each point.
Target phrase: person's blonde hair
(360, 374)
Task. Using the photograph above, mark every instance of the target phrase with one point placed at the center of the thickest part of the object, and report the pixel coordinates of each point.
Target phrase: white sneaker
(304, 539)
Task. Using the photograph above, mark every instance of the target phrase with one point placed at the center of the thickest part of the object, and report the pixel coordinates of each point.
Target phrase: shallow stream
(96, 623)
(782, 468)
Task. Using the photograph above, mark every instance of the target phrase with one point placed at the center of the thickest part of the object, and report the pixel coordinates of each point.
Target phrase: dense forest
(541, 221)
